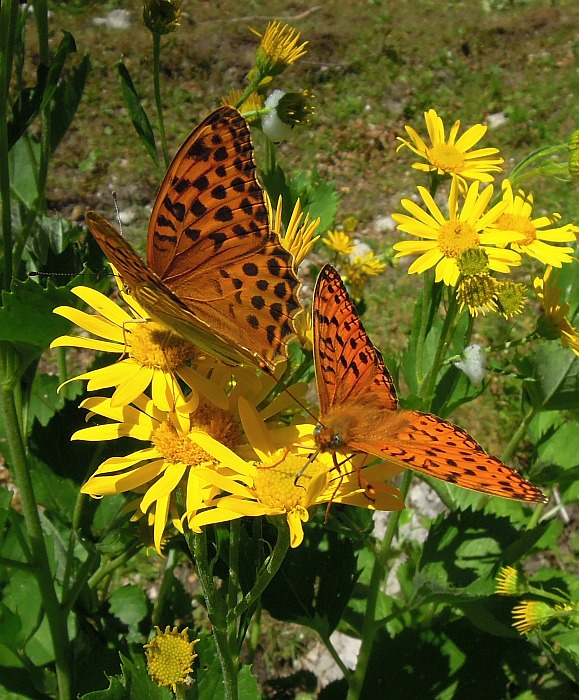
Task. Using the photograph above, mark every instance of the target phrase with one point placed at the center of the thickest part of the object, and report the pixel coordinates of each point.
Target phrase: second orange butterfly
(359, 409)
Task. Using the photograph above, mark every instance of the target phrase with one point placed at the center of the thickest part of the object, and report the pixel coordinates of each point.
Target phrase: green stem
(216, 611)
(427, 389)
(57, 619)
(233, 585)
(334, 654)
(8, 23)
(166, 582)
(518, 435)
(370, 629)
(423, 330)
(268, 571)
(158, 103)
(107, 569)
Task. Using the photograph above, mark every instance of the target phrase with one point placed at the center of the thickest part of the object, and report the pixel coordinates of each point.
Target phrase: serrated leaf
(26, 314)
(555, 375)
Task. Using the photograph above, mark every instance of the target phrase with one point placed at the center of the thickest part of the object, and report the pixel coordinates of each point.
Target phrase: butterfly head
(326, 439)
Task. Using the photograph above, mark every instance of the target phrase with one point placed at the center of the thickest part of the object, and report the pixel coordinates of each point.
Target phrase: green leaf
(66, 47)
(555, 384)
(130, 605)
(26, 314)
(137, 113)
(22, 160)
(317, 197)
(134, 683)
(209, 677)
(67, 96)
(314, 582)
(26, 106)
(462, 553)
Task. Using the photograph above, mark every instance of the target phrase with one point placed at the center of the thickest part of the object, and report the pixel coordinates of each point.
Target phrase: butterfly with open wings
(359, 409)
(216, 274)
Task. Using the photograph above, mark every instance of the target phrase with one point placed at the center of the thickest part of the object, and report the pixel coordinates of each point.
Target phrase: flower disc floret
(170, 657)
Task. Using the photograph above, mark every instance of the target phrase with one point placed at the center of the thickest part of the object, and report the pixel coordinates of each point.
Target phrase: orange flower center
(179, 448)
(153, 345)
(446, 157)
(521, 224)
(454, 237)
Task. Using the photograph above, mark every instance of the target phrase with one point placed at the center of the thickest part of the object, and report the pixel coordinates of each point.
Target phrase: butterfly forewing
(215, 268)
(349, 369)
(359, 412)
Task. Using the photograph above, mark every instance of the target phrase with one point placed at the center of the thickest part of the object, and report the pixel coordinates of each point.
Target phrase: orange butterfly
(359, 409)
(217, 275)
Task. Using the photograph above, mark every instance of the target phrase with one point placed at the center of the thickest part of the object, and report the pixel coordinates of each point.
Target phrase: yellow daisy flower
(179, 445)
(279, 48)
(152, 355)
(535, 235)
(452, 156)
(279, 488)
(445, 240)
(299, 237)
(339, 242)
(554, 323)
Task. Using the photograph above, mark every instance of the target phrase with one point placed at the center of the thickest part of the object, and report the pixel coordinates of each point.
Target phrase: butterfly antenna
(118, 213)
(267, 370)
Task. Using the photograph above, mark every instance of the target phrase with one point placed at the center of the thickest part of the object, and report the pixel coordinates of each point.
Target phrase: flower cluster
(474, 237)
(278, 111)
(219, 443)
(532, 615)
(355, 260)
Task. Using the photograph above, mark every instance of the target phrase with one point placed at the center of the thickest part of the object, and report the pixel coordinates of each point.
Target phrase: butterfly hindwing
(433, 446)
(348, 366)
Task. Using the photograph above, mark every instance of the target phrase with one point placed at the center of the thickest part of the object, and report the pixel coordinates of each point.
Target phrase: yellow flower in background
(339, 241)
(152, 355)
(252, 103)
(530, 615)
(170, 657)
(304, 329)
(278, 48)
(452, 155)
(178, 446)
(161, 16)
(510, 582)
(358, 270)
(284, 484)
(553, 323)
(299, 237)
(573, 146)
(511, 298)
(444, 240)
(535, 235)
(478, 292)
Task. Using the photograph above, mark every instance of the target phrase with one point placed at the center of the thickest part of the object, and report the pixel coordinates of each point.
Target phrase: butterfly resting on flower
(216, 274)
(359, 411)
